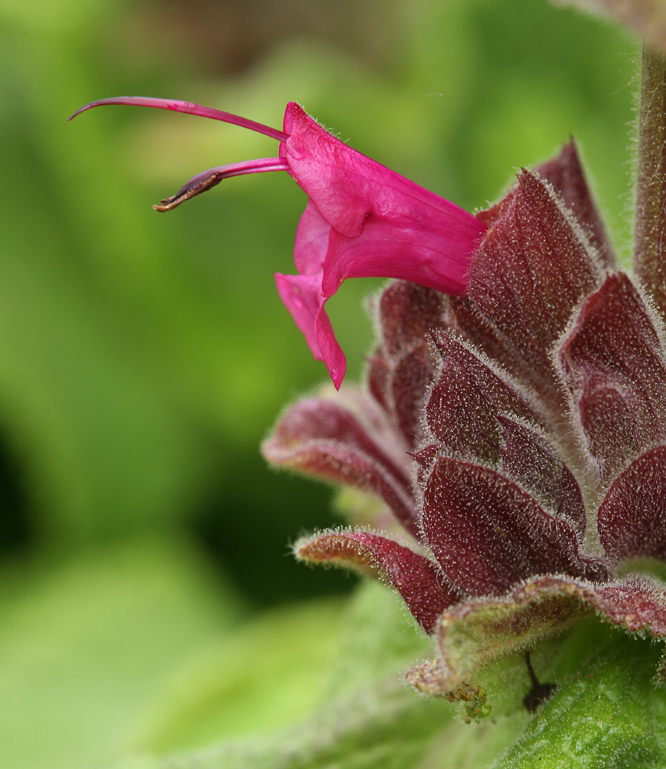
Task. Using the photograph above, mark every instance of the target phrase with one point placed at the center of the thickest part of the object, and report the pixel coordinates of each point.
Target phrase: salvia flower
(513, 426)
(516, 437)
(362, 220)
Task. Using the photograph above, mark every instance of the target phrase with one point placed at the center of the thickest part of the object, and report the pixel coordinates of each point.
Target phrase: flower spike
(362, 220)
(464, 435)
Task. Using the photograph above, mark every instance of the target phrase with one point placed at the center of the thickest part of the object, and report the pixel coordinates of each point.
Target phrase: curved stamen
(209, 179)
(190, 109)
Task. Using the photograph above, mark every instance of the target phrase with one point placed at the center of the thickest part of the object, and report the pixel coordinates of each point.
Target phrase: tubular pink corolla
(362, 220)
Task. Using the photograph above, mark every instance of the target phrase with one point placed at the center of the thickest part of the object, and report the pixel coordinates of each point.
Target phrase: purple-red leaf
(379, 378)
(528, 276)
(566, 175)
(415, 577)
(321, 438)
(411, 376)
(465, 399)
(406, 313)
(402, 366)
(488, 534)
(527, 457)
(465, 317)
(614, 367)
(632, 517)
(477, 414)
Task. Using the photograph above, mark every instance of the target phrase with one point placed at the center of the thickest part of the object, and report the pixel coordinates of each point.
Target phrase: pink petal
(416, 578)
(302, 296)
(385, 225)
(415, 249)
(311, 241)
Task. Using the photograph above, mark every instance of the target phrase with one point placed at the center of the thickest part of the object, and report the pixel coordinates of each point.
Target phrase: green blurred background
(143, 543)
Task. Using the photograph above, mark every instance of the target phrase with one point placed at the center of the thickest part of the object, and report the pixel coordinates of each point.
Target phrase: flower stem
(650, 245)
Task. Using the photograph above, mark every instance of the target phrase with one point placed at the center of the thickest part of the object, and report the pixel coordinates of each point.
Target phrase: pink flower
(362, 220)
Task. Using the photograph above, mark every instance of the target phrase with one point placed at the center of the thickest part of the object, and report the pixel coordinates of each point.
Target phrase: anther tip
(168, 204)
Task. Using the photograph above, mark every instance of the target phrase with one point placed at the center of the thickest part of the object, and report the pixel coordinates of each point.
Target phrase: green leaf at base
(608, 714)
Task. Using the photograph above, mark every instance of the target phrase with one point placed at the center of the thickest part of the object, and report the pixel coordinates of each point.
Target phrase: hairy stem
(650, 248)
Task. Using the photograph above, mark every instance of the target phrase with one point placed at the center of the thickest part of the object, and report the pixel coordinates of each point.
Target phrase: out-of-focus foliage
(86, 643)
(143, 356)
(646, 17)
(606, 710)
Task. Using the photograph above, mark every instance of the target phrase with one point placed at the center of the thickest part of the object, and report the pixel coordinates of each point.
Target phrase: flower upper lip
(188, 108)
(362, 220)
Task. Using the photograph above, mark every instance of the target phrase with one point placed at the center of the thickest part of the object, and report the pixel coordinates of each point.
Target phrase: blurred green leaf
(646, 18)
(281, 667)
(606, 710)
(267, 674)
(85, 646)
(367, 716)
